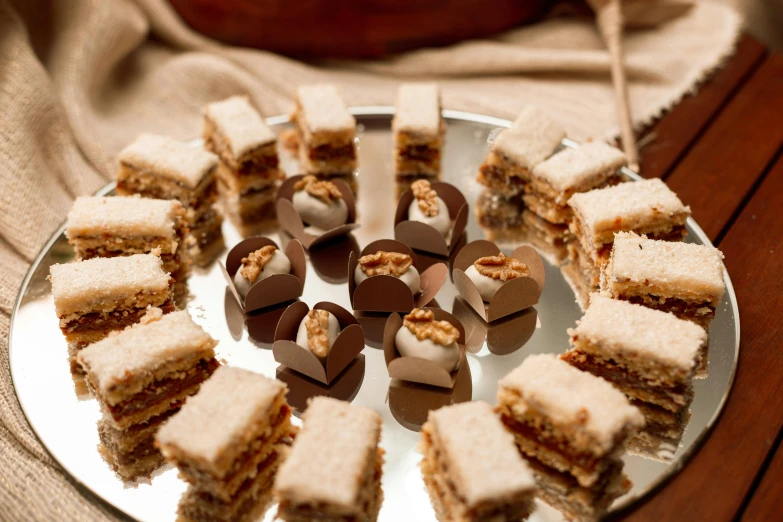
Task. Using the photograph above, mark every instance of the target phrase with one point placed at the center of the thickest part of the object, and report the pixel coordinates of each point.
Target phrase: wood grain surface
(732, 176)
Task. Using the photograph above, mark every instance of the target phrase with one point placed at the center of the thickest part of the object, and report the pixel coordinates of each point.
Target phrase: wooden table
(721, 152)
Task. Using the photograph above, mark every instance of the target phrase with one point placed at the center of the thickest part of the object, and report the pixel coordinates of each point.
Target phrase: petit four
(95, 297)
(419, 130)
(428, 208)
(326, 131)
(159, 167)
(334, 469)
(122, 226)
(144, 370)
(423, 337)
(317, 332)
(228, 442)
(320, 204)
(140, 376)
(471, 467)
(553, 181)
(649, 355)
(248, 174)
(568, 419)
(681, 278)
(490, 272)
(258, 265)
(393, 264)
(532, 138)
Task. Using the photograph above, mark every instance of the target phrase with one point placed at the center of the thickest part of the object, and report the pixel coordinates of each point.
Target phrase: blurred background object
(353, 29)
(377, 28)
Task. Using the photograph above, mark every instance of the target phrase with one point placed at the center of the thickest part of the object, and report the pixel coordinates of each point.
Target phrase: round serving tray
(66, 422)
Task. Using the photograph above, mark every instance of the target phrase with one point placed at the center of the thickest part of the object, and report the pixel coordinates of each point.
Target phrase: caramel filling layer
(586, 461)
(328, 151)
(162, 390)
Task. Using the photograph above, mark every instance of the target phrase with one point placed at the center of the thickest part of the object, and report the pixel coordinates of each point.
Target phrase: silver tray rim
(381, 111)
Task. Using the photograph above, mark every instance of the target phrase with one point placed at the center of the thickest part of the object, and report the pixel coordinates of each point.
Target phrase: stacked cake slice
(326, 132)
(684, 279)
(471, 467)
(649, 355)
(248, 173)
(228, 442)
(552, 183)
(163, 168)
(567, 419)
(333, 472)
(123, 226)
(95, 297)
(418, 131)
(140, 376)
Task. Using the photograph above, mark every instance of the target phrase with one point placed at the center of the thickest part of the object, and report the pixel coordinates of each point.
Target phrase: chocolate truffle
(259, 265)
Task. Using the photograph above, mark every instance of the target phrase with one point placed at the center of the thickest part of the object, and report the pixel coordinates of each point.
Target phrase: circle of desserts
(489, 273)
(257, 266)
(428, 208)
(317, 332)
(320, 204)
(393, 264)
(422, 336)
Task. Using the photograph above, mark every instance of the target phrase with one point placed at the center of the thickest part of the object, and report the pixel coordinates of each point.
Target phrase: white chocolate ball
(441, 222)
(486, 285)
(332, 330)
(410, 277)
(314, 212)
(409, 346)
(277, 264)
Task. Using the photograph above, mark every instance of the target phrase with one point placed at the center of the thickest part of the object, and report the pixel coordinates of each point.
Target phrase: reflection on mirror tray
(410, 402)
(261, 324)
(503, 337)
(302, 388)
(330, 260)
(563, 492)
(662, 434)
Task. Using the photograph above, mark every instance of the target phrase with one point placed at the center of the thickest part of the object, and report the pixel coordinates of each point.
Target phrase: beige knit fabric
(80, 78)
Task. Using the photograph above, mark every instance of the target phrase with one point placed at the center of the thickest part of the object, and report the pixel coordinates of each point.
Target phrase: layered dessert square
(326, 132)
(149, 368)
(531, 139)
(333, 472)
(645, 207)
(565, 418)
(140, 377)
(471, 466)
(160, 167)
(228, 442)
(95, 297)
(418, 129)
(684, 279)
(248, 174)
(649, 355)
(553, 181)
(123, 226)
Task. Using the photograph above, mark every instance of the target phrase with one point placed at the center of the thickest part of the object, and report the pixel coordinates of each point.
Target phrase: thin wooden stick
(610, 24)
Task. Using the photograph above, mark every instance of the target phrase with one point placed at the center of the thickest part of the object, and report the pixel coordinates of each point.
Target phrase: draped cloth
(80, 79)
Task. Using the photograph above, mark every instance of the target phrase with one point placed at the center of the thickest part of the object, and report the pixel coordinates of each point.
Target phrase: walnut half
(385, 263)
(501, 267)
(426, 198)
(423, 325)
(317, 326)
(253, 264)
(326, 191)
